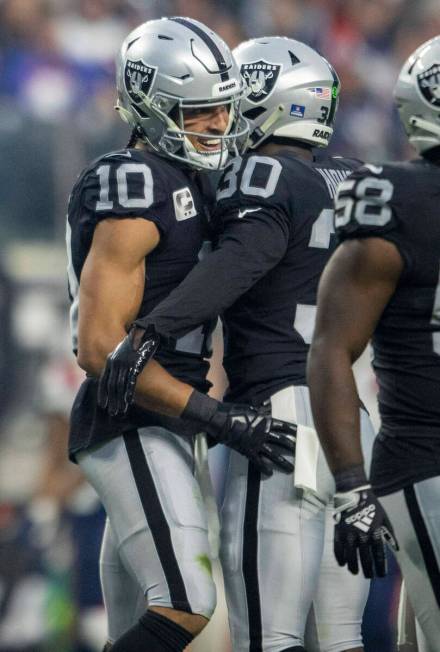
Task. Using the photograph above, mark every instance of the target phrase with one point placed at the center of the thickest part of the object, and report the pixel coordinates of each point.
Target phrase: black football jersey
(268, 329)
(400, 203)
(274, 230)
(137, 183)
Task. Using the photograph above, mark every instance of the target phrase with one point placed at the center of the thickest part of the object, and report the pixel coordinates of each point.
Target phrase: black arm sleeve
(248, 248)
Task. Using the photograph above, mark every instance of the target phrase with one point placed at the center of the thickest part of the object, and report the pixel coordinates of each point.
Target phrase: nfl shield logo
(138, 78)
(261, 77)
(429, 84)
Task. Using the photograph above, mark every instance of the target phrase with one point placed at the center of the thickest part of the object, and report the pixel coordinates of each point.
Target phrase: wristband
(350, 478)
(200, 407)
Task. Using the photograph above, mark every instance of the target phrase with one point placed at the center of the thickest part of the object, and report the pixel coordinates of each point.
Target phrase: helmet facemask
(180, 142)
(172, 137)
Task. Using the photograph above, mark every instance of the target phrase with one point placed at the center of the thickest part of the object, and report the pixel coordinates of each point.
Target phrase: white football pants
(155, 547)
(277, 554)
(414, 513)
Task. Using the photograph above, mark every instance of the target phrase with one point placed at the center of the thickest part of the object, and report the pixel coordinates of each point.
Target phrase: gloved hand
(362, 529)
(248, 430)
(118, 380)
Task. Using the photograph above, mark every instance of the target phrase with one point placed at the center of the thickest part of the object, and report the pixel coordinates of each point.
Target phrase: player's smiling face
(213, 121)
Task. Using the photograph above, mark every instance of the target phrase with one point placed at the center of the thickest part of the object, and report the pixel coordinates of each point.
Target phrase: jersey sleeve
(247, 248)
(120, 186)
(366, 206)
(252, 230)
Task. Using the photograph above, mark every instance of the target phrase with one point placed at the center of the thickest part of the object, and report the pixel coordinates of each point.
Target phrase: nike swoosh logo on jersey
(248, 210)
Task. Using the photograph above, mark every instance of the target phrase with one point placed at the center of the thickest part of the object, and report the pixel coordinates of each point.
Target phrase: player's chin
(210, 158)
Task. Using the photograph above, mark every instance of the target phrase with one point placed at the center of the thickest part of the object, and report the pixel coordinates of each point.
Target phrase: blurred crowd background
(57, 95)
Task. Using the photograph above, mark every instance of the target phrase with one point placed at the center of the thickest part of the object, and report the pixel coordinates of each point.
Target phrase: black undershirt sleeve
(247, 249)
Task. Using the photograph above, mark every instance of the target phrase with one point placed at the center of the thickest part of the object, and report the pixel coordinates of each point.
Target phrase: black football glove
(118, 380)
(248, 430)
(362, 528)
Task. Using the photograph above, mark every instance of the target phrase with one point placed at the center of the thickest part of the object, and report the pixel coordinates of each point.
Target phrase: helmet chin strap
(262, 131)
(414, 121)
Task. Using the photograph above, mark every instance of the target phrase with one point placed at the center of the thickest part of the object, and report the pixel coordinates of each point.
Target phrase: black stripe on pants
(156, 520)
(250, 560)
(422, 535)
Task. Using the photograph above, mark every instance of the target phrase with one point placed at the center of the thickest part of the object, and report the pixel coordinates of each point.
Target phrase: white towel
(306, 459)
(307, 442)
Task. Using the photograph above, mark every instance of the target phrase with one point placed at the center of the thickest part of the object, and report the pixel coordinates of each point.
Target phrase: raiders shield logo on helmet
(429, 84)
(138, 77)
(261, 77)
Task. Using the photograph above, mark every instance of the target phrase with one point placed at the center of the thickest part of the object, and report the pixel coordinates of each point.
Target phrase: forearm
(354, 289)
(158, 391)
(335, 405)
(212, 286)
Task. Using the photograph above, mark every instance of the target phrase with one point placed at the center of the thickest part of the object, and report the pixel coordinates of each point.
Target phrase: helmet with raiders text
(417, 95)
(292, 91)
(168, 66)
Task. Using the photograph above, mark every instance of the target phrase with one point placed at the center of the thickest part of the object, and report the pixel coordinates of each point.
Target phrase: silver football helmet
(417, 95)
(168, 65)
(292, 91)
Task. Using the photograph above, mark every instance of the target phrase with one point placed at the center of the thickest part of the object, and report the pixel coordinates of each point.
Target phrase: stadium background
(56, 113)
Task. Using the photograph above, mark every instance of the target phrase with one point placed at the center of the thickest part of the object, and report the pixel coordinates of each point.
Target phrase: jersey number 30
(247, 185)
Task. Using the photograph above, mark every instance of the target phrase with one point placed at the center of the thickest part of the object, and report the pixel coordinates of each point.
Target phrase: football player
(274, 223)
(135, 227)
(383, 283)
